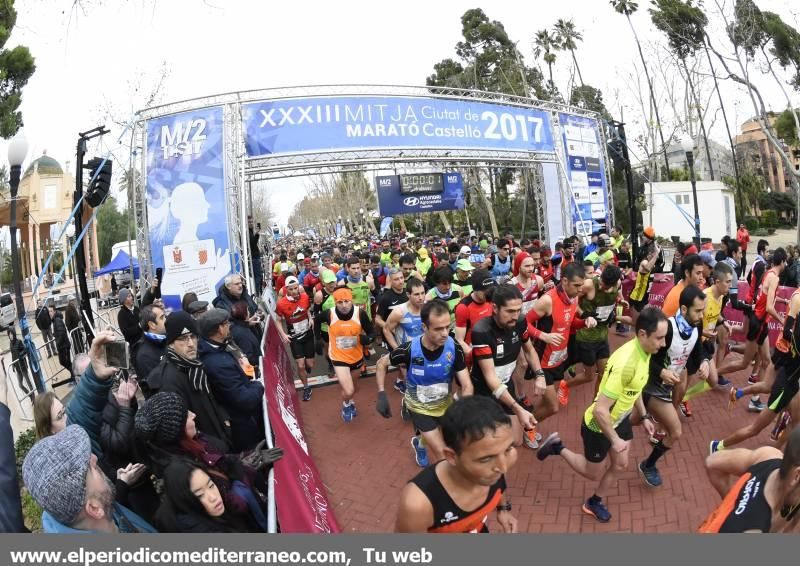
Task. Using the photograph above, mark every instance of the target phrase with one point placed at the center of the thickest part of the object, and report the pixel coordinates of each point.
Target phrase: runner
(764, 498)
(607, 423)
(549, 323)
(786, 367)
(360, 286)
(692, 270)
(432, 361)
(445, 290)
(405, 322)
(758, 329)
(294, 308)
(598, 299)
(349, 329)
(458, 494)
(499, 264)
(473, 308)
(323, 300)
(682, 351)
(496, 344)
(464, 271)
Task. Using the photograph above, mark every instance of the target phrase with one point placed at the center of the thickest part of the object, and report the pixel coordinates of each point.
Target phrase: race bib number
(557, 357)
(346, 342)
(301, 327)
(604, 312)
(432, 393)
(504, 372)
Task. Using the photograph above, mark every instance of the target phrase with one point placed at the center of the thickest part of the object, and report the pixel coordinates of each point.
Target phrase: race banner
(736, 318)
(301, 498)
(660, 286)
(586, 169)
(186, 204)
(298, 125)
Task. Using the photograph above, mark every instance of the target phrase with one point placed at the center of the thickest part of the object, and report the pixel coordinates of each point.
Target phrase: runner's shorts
(423, 423)
(784, 389)
(304, 347)
(758, 330)
(588, 353)
(596, 445)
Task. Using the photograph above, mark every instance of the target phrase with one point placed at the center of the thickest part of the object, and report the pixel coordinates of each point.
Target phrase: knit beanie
(162, 419)
(518, 259)
(54, 471)
(123, 294)
(179, 323)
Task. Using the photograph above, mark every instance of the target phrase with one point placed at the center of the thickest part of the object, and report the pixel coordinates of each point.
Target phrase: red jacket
(743, 237)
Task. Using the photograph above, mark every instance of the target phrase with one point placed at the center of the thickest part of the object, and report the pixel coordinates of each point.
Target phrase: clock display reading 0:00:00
(421, 183)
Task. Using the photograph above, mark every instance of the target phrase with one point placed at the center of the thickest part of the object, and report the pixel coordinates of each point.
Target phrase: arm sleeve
(116, 432)
(462, 315)
(86, 406)
(11, 509)
(481, 344)
(461, 360)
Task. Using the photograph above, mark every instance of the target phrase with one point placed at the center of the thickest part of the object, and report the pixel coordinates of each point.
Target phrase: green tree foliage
(590, 98)
(682, 22)
(779, 202)
(752, 186)
(16, 67)
(112, 228)
(785, 127)
(489, 60)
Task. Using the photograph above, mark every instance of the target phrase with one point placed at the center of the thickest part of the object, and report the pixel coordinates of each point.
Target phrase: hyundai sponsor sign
(392, 201)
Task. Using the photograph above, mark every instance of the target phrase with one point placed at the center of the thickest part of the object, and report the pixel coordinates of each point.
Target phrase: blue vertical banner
(585, 167)
(386, 223)
(186, 204)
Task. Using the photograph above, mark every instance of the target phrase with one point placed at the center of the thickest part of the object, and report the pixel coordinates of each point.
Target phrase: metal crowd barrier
(77, 342)
(19, 375)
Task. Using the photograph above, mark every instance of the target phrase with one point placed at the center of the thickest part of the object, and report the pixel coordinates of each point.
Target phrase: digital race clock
(413, 183)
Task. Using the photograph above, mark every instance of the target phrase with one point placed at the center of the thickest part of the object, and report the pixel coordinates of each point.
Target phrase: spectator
(232, 291)
(187, 300)
(49, 415)
(62, 339)
(62, 475)
(743, 237)
(19, 359)
(197, 308)
(114, 285)
(240, 396)
(181, 372)
(242, 335)
(128, 317)
(11, 509)
(72, 319)
(195, 503)
(44, 322)
(147, 352)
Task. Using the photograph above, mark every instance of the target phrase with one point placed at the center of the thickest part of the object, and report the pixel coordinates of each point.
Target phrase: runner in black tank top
(459, 493)
(766, 494)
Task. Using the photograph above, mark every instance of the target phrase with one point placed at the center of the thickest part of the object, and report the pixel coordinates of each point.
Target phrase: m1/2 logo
(184, 138)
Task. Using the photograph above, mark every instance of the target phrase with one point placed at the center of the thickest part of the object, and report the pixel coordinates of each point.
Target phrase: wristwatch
(504, 506)
(539, 373)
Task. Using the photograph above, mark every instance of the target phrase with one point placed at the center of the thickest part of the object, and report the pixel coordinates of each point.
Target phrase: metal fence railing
(22, 383)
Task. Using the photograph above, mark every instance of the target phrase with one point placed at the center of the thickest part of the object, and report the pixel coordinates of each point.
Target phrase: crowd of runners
(488, 337)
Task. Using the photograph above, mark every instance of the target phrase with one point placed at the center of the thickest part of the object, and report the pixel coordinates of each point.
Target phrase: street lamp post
(688, 147)
(17, 150)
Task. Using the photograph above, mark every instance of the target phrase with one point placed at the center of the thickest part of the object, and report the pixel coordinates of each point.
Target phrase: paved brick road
(366, 463)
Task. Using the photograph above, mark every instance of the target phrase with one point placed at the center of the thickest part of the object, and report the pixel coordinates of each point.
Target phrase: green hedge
(752, 223)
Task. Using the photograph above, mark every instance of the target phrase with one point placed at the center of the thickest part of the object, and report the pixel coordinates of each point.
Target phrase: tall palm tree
(545, 46)
(626, 8)
(567, 37)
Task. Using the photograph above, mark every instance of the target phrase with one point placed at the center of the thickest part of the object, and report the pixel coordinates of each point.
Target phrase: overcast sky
(103, 56)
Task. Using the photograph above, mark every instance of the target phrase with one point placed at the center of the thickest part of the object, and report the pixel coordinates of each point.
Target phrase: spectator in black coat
(11, 507)
(128, 317)
(45, 324)
(242, 335)
(19, 358)
(62, 339)
(181, 372)
(148, 351)
(72, 318)
(238, 394)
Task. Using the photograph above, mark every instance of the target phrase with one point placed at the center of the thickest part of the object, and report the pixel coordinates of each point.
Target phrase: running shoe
(755, 405)
(784, 419)
(400, 385)
(722, 381)
(347, 413)
(621, 329)
(753, 379)
(353, 410)
(686, 411)
(650, 476)
(657, 436)
(563, 393)
(526, 404)
(307, 393)
(734, 395)
(713, 446)
(420, 454)
(551, 446)
(531, 438)
(596, 510)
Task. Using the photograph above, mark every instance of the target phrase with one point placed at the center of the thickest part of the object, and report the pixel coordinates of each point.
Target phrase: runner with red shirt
(295, 310)
(473, 308)
(549, 323)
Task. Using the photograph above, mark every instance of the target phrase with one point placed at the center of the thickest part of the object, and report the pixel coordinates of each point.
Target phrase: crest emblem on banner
(202, 256)
(177, 255)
